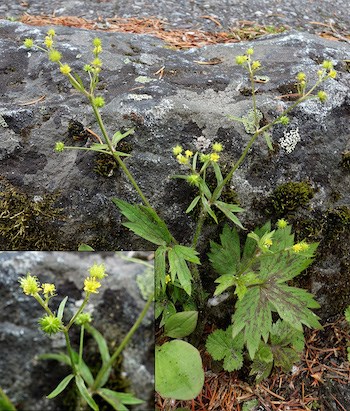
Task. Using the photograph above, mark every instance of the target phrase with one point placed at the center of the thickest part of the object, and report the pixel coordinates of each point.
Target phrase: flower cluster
(246, 60)
(92, 283)
(183, 157)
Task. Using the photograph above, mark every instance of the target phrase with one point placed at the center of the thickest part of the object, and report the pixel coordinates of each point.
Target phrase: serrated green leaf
(225, 257)
(144, 222)
(181, 324)
(178, 255)
(225, 281)
(228, 210)
(262, 364)
(61, 386)
(61, 308)
(85, 393)
(221, 345)
(193, 204)
(253, 316)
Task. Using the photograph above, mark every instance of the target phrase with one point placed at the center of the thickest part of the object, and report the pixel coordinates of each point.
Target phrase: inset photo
(76, 331)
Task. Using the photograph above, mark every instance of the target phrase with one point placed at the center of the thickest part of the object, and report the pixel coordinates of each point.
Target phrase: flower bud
(50, 324)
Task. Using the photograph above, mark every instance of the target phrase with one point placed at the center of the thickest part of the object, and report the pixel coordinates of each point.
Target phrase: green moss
(290, 196)
(27, 223)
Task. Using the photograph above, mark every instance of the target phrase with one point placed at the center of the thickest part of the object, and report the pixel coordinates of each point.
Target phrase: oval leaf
(179, 373)
(181, 324)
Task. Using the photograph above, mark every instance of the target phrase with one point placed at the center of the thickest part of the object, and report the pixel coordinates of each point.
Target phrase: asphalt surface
(296, 14)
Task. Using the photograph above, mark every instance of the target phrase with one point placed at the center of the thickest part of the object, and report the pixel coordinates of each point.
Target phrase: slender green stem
(81, 344)
(69, 349)
(71, 322)
(122, 345)
(199, 226)
(42, 303)
(252, 84)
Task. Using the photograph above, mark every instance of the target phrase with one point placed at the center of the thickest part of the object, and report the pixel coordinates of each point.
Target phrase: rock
(27, 379)
(188, 105)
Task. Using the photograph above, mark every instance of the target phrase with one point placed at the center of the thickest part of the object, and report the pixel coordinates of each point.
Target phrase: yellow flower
(48, 289)
(256, 64)
(322, 95)
(250, 51)
(96, 62)
(48, 42)
(55, 56)
(91, 285)
(96, 42)
(51, 32)
(167, 279)
(268, 243)
(98, 271)
(29, 43)
(30, 284)
(177, 150)
(217, 147)
(241, 59)
(332, 73)
(204, 157)
(182, 159)
(97, 50)
(193, 179)
(298, 247)
(301, 76)
(328, 65)
(214, 157)
(65, 69)
(59, 146)
(188, 153)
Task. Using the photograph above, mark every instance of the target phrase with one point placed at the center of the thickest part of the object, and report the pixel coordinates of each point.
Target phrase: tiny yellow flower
(332, 73)
(217, 147)
(97, 50)
(214, 157)
(322, 95)
(65, 69)
(96, 42)
(98, 271)
(282, 223)
(167, 279)
(48, 42)
(55, 56)
(91, 285)
(268, 243)
(301, 76)
(298, 247)
(29, 43)
(177, 150)
(96, 62)
(188, 153)
(30, 284)
(99, 101)
(327, 64)
(182, 159)
(250, 51)
(241, 59)
(48, 289)
(51, 32)
(256, 64)
(59, 146)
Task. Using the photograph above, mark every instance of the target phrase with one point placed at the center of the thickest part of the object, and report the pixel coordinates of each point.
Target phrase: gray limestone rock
(26, 379)
(188, 105)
